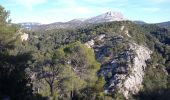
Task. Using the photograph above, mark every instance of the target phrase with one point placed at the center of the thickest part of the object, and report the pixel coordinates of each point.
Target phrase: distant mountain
(78, 20)
(139, 22)
(164, 24)
(29, 25)
(106, 17)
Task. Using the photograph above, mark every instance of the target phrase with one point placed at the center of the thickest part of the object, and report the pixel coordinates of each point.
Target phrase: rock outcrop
(91, 43)
(130, 81)
(24, 37)
(124, 71)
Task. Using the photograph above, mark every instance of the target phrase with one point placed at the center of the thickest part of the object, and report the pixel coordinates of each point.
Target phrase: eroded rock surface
(123, 69)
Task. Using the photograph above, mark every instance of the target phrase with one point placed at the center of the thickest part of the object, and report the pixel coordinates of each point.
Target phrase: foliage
(56, 64)
(157, 72)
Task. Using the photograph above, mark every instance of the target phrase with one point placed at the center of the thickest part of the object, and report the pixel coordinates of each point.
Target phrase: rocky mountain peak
(114, 16)
(107, 17)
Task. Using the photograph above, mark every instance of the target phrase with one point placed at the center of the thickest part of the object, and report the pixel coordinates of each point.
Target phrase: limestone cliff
(125, 66)
(128, 78)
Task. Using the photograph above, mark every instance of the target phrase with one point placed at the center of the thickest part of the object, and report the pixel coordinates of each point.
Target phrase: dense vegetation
(156, 80)
(55, 64)
(13, 79)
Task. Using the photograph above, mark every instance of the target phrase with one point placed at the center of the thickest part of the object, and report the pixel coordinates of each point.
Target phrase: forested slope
(116, 60)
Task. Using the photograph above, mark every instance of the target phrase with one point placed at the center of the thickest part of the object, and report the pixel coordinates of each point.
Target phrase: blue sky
(48, 11)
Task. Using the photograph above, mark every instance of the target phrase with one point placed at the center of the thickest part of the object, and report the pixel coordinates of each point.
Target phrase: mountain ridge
(105, 17)
(164, 24)
(80, 22)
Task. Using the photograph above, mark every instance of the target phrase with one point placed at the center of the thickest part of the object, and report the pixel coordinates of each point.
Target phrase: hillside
(164, 24)
(75, 23)
(100, 60)
(128, 54)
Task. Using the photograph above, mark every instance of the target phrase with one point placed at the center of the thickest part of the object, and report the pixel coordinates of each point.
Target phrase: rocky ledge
(124, 70)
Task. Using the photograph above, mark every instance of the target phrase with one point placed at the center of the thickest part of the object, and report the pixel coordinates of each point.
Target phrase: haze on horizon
(49, 11)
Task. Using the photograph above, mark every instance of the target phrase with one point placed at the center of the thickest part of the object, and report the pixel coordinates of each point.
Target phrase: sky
(49, 11)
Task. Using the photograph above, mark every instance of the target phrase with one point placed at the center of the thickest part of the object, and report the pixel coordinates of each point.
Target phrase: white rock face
(24, 37)
(100, 37)
(127, 78)
(127, 33)
(106, 17)
(122, 28)
(133, 82)
(90, 43)
(113, 16)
